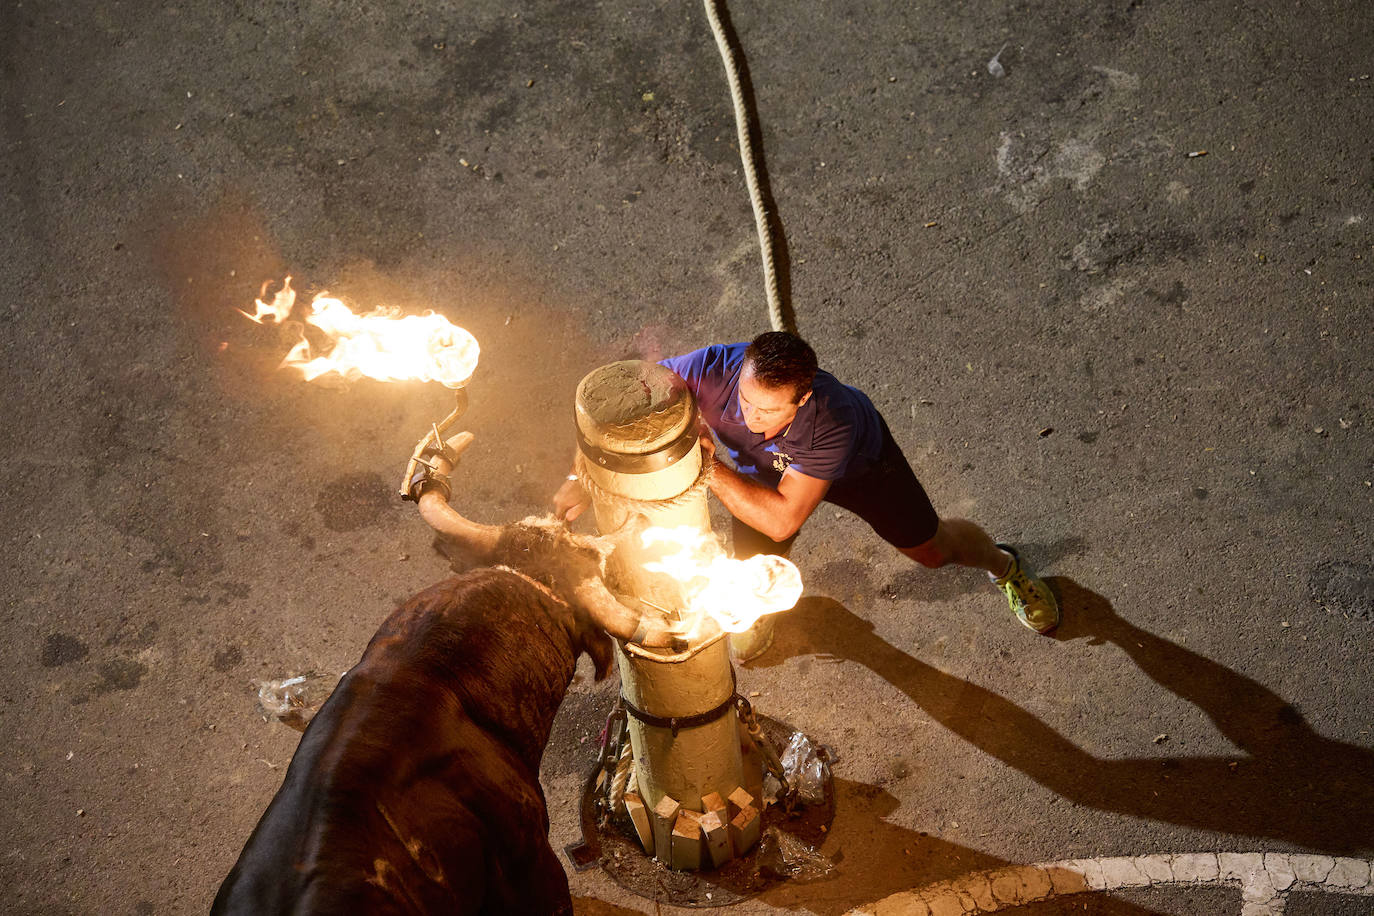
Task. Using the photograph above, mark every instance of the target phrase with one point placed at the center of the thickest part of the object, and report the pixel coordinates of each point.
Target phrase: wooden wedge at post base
(717, 832)
(639, 816)
(739, 800)
(686, 840)
(664, 813)
(744, 830)
(712, 801)
(715, 825)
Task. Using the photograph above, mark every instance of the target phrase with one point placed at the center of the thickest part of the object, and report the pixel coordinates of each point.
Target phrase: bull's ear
(599, 647)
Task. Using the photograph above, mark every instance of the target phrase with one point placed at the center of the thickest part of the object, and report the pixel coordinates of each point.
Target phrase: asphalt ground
(1151, 371)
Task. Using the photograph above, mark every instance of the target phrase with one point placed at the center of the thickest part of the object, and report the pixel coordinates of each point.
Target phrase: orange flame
(381, 344)
(733, 593)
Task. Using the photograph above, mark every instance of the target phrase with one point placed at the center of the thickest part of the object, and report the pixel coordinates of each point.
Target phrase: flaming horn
(386, 346)
(570, 564)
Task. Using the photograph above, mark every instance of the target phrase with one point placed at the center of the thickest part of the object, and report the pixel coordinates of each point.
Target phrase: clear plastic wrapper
(295, 700)
(782, 855)
(807, 768)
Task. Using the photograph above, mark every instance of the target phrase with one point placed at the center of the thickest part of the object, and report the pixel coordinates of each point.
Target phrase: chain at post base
(765, 748)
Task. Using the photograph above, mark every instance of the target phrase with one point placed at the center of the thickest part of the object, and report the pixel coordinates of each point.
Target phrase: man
(798, 436)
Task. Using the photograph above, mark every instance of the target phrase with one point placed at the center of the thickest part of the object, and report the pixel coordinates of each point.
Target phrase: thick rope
(615, 500)
(776, 317)
(620, 782)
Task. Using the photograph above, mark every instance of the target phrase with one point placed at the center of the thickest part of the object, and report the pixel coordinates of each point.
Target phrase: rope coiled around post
(629, 503)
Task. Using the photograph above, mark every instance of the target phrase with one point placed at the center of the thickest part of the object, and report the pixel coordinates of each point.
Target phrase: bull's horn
(617, 619)
(472, 536)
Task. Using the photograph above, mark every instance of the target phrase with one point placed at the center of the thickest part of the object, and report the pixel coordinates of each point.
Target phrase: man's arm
(777, 513)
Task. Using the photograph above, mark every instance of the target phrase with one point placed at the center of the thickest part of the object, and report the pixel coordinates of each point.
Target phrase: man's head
(775, 381)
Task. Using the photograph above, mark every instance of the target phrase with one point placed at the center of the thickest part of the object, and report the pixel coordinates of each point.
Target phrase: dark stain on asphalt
(1088, 436)
(1177, 294)
(120, 674)
(1344, 588)
(844, 577)
(227, 658)
(477, 65)
(235, 589)
(1200, 492)
(142, 639)
(1116, 246)
(353, 501)
(60, 649)
(303, 540)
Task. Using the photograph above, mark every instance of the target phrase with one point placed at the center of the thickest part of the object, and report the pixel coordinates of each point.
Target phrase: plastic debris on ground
(781, 855)
(807, 768)
(295, 700)
(995, 65)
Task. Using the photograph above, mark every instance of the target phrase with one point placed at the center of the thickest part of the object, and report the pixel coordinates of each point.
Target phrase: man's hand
(571, 500)
(708, 442)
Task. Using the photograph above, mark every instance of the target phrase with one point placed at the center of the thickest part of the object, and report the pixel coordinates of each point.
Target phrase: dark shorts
(887, 496)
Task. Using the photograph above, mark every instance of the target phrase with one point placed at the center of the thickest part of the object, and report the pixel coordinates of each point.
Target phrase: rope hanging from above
(779, 318)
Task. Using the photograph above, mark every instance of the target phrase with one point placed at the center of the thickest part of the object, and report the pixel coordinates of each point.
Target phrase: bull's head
(572, 565)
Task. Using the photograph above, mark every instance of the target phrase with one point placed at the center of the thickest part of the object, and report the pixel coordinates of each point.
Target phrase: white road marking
(1265, 880)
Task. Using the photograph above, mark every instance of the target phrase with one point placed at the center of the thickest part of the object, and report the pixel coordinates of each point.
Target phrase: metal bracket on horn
(420, 471)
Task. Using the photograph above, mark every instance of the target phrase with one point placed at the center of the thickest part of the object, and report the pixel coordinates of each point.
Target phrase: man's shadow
(1289, 783)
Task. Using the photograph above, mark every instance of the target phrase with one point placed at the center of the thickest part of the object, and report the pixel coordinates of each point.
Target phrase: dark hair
(782, 360)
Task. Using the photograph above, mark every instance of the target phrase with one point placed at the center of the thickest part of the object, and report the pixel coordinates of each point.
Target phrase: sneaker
(1030, 598)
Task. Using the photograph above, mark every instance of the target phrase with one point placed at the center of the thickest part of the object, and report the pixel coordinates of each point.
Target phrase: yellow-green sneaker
(1030, 598)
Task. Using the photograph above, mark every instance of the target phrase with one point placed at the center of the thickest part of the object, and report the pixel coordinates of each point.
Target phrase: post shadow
(1289, 783)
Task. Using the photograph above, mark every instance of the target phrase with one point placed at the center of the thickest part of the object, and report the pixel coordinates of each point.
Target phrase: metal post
(637, 433)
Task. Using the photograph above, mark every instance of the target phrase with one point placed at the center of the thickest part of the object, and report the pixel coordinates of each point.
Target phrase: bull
(415, 789)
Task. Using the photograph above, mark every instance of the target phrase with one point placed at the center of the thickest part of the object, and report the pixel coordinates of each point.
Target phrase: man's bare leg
(963, 543)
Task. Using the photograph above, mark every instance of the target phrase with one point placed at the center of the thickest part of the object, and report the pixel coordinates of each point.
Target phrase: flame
(733, 593)
(381, 344)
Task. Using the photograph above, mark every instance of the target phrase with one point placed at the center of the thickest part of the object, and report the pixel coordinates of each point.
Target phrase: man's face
(766, 410)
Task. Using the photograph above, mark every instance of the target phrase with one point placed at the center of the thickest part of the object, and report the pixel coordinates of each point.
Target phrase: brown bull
(415, 789)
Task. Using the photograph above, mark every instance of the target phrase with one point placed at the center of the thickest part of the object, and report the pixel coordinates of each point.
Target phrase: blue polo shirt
(836, 434)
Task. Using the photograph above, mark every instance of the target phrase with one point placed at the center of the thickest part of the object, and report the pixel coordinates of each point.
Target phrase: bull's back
(396, 800)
